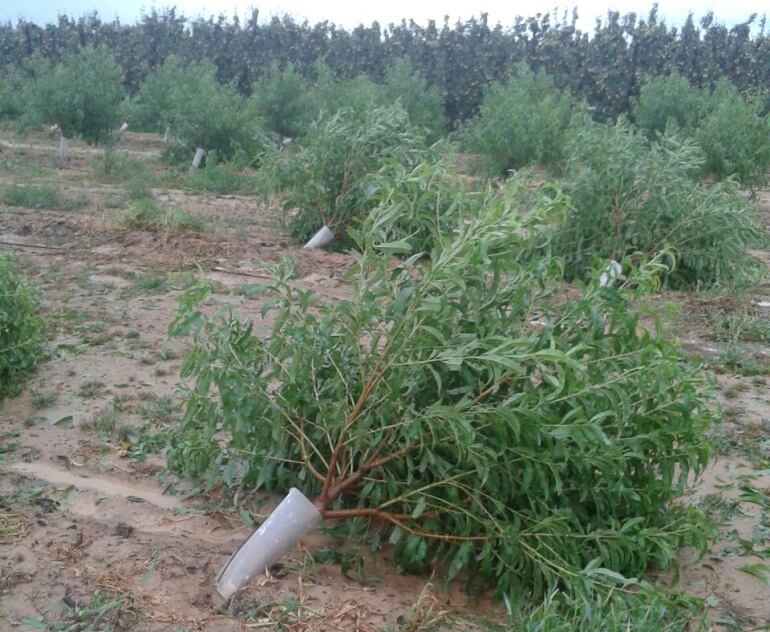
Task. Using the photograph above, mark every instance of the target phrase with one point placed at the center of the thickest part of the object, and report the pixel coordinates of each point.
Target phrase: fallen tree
(461, 409)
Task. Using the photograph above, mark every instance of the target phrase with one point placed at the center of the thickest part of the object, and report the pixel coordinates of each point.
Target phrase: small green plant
(145, 214)
(331, 182)
(748, 325)
(91, 389)
(220, 178)
(108, 425)
(427, 404)
(633, 199)
(151, 283)
(21, 328)
(39, 196)
(103, 612)
(522, 122)
(134, 175)
(41, 399)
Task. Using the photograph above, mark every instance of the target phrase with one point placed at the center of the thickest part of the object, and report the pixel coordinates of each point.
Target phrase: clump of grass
(159, 410)
(151, 283)
(37, 196)
(219, 178)
(133, 174)
(748, 326)
(107, 424)
(89, 390)
(41, 399)
(145, 214)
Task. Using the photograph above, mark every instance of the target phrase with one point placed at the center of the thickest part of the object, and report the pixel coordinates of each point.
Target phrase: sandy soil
(90, 522)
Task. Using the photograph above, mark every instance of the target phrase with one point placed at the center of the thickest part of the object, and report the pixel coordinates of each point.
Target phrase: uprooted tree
(461, 409)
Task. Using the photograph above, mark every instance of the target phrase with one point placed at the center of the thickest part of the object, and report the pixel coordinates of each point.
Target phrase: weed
(748, 325)
(103, 613)
(150, 283)
(89, 390)
(167, 354)
(22, 168)
(145, 214)
(108, 425)
(41, 399)
(719, 508)
(219, 178)
(40, 197)
(160, 410)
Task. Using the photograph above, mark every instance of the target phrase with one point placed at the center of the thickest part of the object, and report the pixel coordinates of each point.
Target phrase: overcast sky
(350, 13)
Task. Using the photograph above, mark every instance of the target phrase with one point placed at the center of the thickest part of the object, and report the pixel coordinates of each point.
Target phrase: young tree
(283, 101)
(81, 95)
(201, 112)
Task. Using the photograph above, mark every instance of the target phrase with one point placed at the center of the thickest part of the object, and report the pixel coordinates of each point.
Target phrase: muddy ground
(94, 532)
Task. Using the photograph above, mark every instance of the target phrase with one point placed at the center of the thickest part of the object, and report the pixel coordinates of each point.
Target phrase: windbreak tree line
(606, 66)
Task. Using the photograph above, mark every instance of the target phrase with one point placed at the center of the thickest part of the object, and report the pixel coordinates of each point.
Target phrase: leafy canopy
(81, 94)
(21, 328)
(461, 404)
(631, 198)
(521, 122)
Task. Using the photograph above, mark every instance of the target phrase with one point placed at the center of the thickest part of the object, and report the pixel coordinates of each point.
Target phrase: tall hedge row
(605, 65)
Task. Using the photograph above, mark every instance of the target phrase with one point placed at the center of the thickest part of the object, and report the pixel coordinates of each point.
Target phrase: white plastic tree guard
(123, 127)
(289, 521)
(610, 274)
(167, 134)
(63, 143)
(196, 161)
(320, 239)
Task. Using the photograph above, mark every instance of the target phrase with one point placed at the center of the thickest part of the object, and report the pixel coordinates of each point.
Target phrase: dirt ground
(93, 525)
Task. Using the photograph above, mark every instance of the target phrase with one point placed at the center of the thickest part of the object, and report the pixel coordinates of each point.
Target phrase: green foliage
(729, 127)
(604, 64)
(735, 136)
(331, 181)
(37, 196)
(521, 122)
(144, 214)
(421, 101)
(283, 102)
(645, 609)
(12, 84)
(668, 103)
(219, 178)
(483, 420)
(330, 94)
(21, 328)
(633, 199)
(152, 109)
(423, 202)
(201, 113)
(81, 94)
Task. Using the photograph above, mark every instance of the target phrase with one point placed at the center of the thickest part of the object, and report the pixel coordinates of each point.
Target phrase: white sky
(350, 13)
